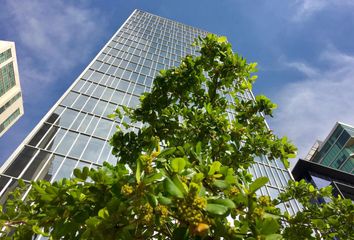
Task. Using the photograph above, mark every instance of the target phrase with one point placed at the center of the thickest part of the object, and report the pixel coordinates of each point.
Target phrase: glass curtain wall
(76, 131)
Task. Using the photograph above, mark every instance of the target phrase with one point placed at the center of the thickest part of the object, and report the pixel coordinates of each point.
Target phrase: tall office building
(11, 105)
(76, 130)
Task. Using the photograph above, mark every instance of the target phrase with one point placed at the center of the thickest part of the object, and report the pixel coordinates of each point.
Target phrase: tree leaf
(257, 184)
(198, 177)
(220, 184)
(164, 200)
(138, 170)
(178, 164)
(152, 199)
(181, 185)
(222, 39)
(216, 209)
(225, 202)
(269, 226)
(36, 229)
(198, 148)
(166, 152)
(214, 167)
(180, 233)
(103, 213)
(77, 173)
(274, 236)
(156, 177)
(172, 189)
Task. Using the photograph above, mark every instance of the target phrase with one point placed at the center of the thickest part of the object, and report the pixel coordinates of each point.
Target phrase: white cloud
(306, 8)
(303, 68)
(308, 109)
(54, 37)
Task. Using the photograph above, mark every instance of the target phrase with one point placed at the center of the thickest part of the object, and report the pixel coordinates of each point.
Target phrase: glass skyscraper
(75, 132)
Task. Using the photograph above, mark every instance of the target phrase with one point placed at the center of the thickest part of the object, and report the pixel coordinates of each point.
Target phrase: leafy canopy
(184, 174)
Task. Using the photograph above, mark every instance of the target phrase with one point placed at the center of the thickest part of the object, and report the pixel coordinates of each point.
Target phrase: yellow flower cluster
(190, 209)
(234, 191)
(264, 201)
(147, 213)
(127, 190)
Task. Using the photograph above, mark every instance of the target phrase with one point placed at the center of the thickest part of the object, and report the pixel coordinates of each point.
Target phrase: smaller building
(11, 104)
(322, 176)
(337, 150)
(331, 162)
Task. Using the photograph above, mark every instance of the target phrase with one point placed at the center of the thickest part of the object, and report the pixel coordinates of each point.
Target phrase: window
(103, 128)
(100, 107)
(67, 118)
(66, 169)
(39, 135)
(96, 77)
(69, 99)
(93, 150)
(80, 102)
(20, 161)
(79, 146)
(36, 165)
(89, 106)
(66, 143)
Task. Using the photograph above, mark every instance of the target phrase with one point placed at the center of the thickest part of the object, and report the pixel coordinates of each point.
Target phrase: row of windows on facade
(8, 121)
(159, 23)
(135, 55)
(166, 35)
(7, 78)
(101, 100)
(154, 42)
(40, 164)
(10, 102)
(83, 122)
(129, 82)
(5, 55)
(102, 78)
(180, 32)
(100, 106)
(148, 53)
(157, 40)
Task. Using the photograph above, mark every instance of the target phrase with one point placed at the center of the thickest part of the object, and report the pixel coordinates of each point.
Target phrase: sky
(304, 50)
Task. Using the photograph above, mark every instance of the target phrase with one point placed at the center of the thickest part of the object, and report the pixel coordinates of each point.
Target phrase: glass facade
(76, 131)
(338, 149)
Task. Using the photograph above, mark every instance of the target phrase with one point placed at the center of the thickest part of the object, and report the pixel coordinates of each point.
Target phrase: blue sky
(304, 49)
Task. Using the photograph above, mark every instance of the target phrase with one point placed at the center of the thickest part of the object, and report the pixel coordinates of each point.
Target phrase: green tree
(184, 174)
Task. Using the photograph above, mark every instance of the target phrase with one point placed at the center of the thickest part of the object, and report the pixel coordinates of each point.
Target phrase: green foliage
(184, 174)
